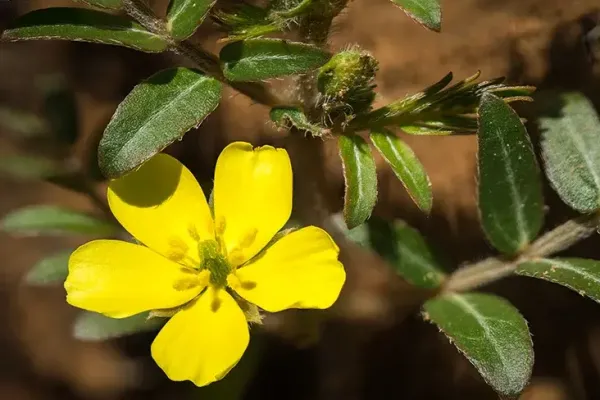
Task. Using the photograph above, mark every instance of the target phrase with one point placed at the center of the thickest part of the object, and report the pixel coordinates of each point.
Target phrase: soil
(367, 354)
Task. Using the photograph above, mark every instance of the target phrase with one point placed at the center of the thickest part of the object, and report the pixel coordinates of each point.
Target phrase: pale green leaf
(184, 16)
(510, 189)
(491, 333)
(50, 270)
(360, 175)
(406, 166)
(258, 59)
(83, 25)
(426, 12)
(90, 326)
(157, 112)
(28, 167)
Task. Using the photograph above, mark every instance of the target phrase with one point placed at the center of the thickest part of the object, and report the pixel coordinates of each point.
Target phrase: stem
(205, 61)
(495, 268)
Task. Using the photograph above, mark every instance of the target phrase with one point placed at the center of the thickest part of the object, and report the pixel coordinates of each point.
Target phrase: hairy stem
(495, 268)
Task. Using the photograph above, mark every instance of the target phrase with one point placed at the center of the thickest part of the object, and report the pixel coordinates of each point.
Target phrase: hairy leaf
(491, 333)
(578, 274)
(90, 326)
(54, 220)
(571, 150)
(406, 166)
(157, 112)
(258, 59)
(50, 270)
(510, 190)
(184, 16)
(83, 25)
(426, 12)
(286, 116)
(113, 4)
(360, 175)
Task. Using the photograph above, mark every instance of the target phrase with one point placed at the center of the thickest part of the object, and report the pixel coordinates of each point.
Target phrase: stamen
(213, 261)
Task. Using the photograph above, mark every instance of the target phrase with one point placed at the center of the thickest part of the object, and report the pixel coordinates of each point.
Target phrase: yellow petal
(162, 205)
(120, 279)
(204, 341)
(300, 270)
(253, 197)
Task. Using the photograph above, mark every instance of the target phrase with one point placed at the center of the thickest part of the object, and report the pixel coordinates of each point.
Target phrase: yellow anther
(248, 239)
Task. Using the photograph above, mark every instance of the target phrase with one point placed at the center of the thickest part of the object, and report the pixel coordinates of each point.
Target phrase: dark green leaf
(29, 167)
(286, 116)
(258, 59)
(571, 150)
(50, 270)
(425, 12)
(406, 166)
(47, 220)
(83, 25)
(491, 333)
(360, 176)
(91, 326)
(185, 16)
(113, 4)
(407, 251)
(157, 112)
(510, 190)
(578, 274)
(60, 107)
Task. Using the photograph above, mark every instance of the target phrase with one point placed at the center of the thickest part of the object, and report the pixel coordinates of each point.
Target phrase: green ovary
(213, 260)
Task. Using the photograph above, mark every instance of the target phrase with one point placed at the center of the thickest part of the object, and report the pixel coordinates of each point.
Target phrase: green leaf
(29, 167)
(360, 176)
(22, 124)
(578, 274)
(407, 252)
(571, 150)
(90, 326)
(112, 4)
(60, 109)
(286, 116)
(406, 166)
(50, 270)
(157, 112)
(47, 220)
(184, 16)
(83, 25)
(491, 333)
(510, 190)
(426, 12)
(258, 59)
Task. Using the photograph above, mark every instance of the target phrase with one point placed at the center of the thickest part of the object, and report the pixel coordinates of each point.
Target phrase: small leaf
(90, 326)
(425, 12)
(406, 250)
(578, 274)
(157, 112)
(53, 220)
(111, 4)
(29, 167)
(406, 166)
(22, 124)
(184, 16)
(491, 333)
(84, 25)
(510, 190)
(360, 175)
(571, 150)
(286, 116)
(258, 59)
(50, 270)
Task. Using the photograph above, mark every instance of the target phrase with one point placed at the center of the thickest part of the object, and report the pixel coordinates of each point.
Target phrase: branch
(495, 268)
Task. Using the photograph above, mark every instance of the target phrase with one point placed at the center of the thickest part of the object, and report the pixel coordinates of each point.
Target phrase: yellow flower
(201, 268)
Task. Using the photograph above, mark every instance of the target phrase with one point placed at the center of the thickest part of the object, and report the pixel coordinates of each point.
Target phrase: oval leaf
(157, 112)
(491, 333)
(360, 176)
(50, 270)
(426, 12)
(184, 16)
(47, 220)
(578, 274)
(112, 4)
(510, 190)
(406, 166)
(91, 326)
(84, 25)
(29, 167)
(258, 59)
(407, 251)
(571, 150)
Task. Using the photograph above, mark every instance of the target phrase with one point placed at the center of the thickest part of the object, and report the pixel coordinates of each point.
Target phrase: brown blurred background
(537, 42)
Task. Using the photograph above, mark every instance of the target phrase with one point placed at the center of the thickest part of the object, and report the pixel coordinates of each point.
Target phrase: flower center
(212, 259)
